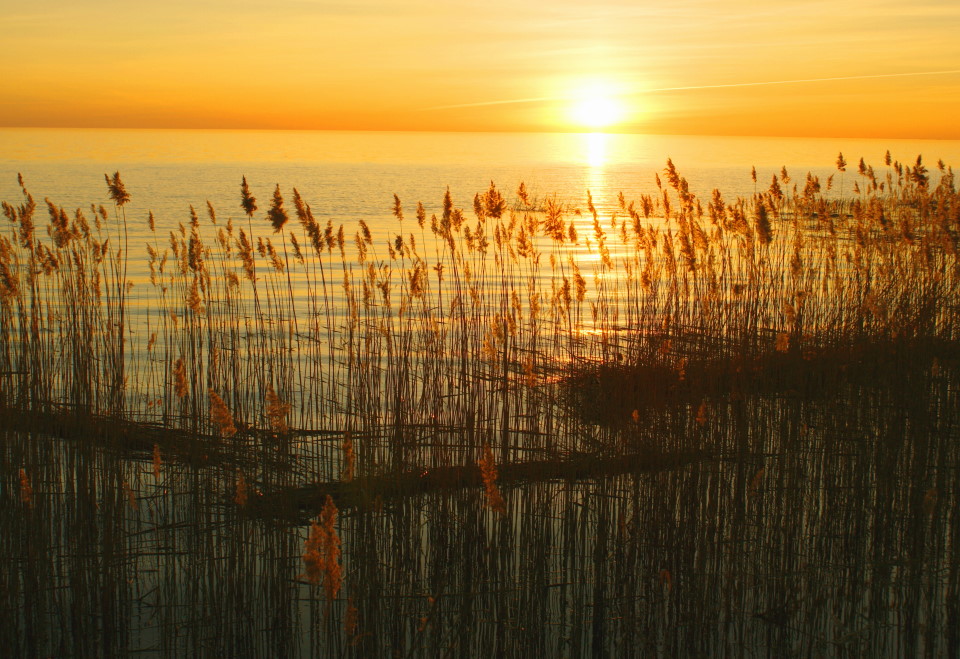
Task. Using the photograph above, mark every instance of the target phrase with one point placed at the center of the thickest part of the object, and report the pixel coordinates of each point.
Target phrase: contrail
(538, 99)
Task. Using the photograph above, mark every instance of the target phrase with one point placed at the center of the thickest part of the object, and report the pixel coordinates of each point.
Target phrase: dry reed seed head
(580, 284)
(703, 414)
(328, 236)
(842, 163)
(421, 214)
(365, 233)
(277, 412)
(247, 201)
(447, 207)
(523, 195)
(10, 212)
(277, 215)
(300, 208)
(312, 558)
(59, 226)
(220, 415)
(26, 489)
(118, 192)
(762, 222)
(456, 220)
(321, 554)
(211, 212)
(397, 208)
(478, 208)
(361, 247)
(157, 461)
(494, 203)
(9, 282)
(418, 280)
(245, 249)
(488, 473)
(775, 190)
(180, 379)
(592, 208)
(670, 172)
(25, 212)
(297, 253)
(331, 549)
(553, 224)
(195, 252)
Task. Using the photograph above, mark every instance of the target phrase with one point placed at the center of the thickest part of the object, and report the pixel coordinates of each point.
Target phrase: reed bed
(796, 350)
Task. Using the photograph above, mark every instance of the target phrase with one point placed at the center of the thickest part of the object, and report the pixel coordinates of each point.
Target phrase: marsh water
(811, 510)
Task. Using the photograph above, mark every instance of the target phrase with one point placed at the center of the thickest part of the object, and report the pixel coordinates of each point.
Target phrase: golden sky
(869, 69)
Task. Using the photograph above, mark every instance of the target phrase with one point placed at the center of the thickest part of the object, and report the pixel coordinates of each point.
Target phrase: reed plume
(488, 473)
(220, 416)
(26, 489)
(277, 411)
(276, 214)
(321, 554)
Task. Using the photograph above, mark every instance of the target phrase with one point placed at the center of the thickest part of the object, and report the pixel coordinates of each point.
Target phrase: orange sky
(495, 65)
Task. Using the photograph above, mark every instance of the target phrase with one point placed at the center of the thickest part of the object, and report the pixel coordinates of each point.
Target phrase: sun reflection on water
(595, 152)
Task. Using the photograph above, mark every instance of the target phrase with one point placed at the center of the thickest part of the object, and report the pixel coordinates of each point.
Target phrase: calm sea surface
(347, 176)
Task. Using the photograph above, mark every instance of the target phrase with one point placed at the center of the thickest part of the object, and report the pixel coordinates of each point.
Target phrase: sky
(834, 68)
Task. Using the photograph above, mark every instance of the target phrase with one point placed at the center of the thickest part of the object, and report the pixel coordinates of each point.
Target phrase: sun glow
(596, 107)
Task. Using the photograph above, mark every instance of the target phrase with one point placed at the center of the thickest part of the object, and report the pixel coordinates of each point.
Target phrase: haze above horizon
(846, 68)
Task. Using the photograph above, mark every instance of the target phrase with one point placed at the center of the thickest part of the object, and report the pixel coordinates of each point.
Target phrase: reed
(701, 423)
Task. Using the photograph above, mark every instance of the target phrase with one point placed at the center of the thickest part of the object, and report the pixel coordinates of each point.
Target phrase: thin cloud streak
(541, 99)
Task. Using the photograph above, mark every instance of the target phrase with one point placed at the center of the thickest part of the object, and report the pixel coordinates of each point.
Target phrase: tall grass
(430, 340)
(287, 361)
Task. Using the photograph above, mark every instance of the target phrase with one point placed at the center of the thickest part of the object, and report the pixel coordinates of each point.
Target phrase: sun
(596, 108)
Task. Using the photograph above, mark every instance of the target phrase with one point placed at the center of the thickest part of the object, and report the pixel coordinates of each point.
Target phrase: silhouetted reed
(693, 426)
